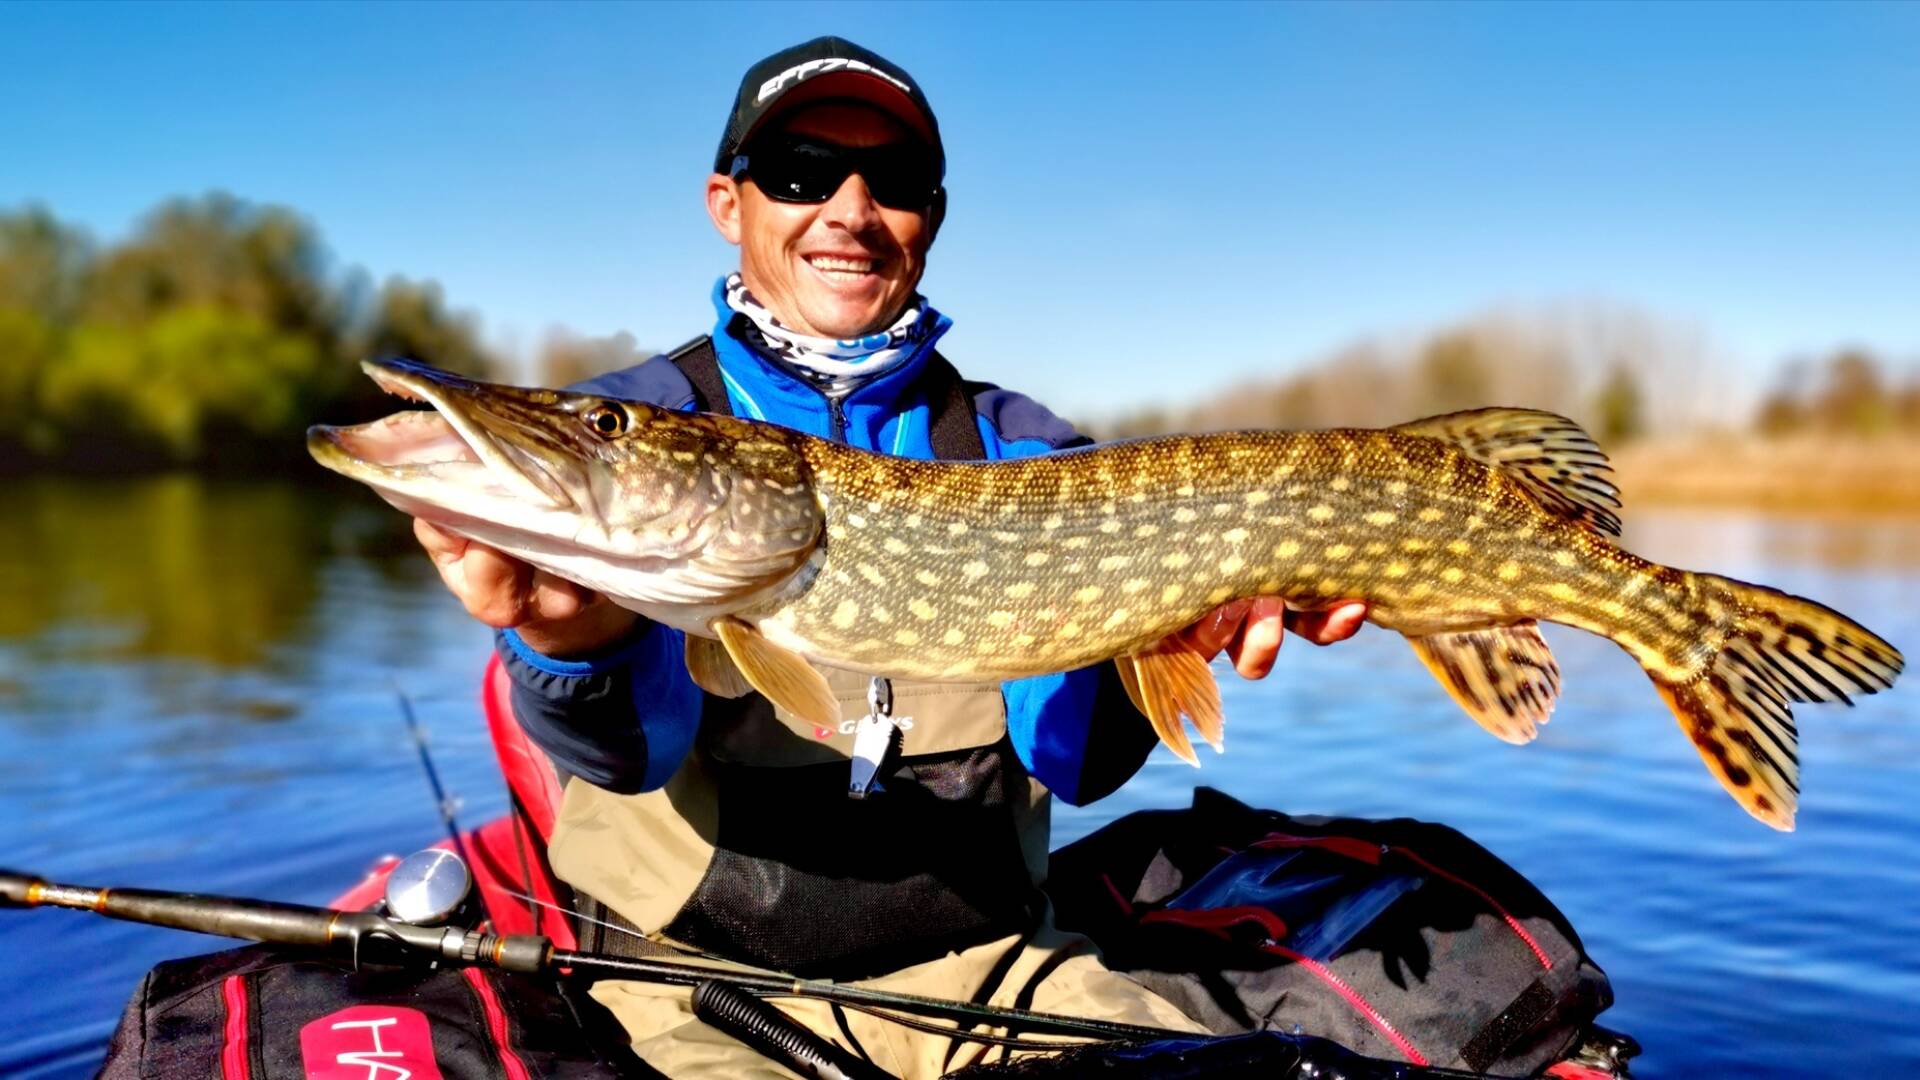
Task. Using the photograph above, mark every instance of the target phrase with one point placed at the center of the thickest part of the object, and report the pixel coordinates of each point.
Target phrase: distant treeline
(211, 336)
(1620, 373)
(1849, 393)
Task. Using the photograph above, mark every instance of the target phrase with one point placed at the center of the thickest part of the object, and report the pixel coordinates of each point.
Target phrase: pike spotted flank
(771, 548)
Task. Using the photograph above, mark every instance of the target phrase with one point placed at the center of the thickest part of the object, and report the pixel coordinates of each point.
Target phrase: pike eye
(608, 421)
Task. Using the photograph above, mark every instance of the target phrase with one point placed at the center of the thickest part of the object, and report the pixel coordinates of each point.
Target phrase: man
(726, 825)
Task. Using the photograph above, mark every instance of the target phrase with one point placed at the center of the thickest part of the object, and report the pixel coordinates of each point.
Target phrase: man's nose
(852, 207)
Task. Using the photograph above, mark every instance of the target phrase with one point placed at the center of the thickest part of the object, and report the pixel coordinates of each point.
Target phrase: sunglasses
(900, 176)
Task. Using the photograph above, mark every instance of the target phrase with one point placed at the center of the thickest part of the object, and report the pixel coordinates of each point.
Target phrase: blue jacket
(624, 720)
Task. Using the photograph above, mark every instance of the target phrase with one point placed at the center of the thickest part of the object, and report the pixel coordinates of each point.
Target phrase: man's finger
(1257, 645)
(1216, 628)
(556, 598)
(1333, 624)
(494, 587)
(442, 546)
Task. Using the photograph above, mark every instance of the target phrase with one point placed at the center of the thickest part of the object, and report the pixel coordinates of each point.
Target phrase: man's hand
(1251, 630)
(554, 617)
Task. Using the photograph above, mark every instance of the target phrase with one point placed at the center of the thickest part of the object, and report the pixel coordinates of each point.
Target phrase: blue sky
(1148, 201)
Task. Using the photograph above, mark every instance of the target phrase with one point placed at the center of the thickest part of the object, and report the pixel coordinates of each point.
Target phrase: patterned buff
(836, 367)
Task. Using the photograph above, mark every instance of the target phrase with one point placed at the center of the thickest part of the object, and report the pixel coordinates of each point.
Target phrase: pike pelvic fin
(1171, 681)
(1504, 677)
(1559, 464)
(1778, 649)
(713, 669)
(786, 679)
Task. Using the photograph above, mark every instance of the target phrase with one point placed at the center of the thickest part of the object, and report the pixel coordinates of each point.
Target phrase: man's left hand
(1251, 630)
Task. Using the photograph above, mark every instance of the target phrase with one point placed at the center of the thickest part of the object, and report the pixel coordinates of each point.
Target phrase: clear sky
(1147, 201)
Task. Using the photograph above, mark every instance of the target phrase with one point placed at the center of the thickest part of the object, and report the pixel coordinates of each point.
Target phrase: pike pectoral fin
(1171, 681)
(786, 679)
(1504, 677)
(713, 669)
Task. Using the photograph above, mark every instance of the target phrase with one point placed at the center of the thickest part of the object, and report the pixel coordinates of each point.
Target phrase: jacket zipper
(836, 419)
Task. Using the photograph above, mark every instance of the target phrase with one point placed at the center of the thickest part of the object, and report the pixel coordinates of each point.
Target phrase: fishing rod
(368, 936)
(721, 993)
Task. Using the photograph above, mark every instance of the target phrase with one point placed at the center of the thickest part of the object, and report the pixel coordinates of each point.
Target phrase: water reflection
(1708, 539)
(178, 566)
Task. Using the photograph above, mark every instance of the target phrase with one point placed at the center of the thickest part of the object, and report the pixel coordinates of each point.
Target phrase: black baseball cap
(826, 68)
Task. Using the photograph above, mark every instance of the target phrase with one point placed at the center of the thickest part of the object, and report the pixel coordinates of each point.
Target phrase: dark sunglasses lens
(799, 172)
(900, 177)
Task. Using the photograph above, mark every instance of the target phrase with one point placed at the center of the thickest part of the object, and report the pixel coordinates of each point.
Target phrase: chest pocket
(807, 880)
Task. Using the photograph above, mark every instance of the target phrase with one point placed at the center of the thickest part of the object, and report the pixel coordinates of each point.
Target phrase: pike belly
(958, 572)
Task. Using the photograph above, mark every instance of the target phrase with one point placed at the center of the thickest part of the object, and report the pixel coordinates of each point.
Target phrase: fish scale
(947, 570)
(776, 552)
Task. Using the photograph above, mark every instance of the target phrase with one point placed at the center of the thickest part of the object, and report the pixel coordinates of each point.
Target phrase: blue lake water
(198, 691)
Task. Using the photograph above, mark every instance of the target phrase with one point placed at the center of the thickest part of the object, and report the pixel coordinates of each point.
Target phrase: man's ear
(936, 214)
(723, 205)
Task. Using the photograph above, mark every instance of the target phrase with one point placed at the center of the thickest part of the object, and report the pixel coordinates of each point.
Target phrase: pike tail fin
(1775, 649)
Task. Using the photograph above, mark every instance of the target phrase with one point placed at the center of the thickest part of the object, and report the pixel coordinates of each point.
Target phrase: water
(197, 690)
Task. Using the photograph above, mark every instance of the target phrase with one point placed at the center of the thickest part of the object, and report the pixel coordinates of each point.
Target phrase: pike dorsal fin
(787, 680)
(1504, 677)
(1167, 682)
(713, 670)
(1559, 464)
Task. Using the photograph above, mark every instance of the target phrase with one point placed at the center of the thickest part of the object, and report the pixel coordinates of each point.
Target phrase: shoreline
(1812, 475)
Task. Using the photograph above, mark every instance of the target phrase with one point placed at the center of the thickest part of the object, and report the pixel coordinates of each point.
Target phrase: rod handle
(15, 887)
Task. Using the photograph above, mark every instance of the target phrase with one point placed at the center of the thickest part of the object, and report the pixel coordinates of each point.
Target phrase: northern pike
(771, 548)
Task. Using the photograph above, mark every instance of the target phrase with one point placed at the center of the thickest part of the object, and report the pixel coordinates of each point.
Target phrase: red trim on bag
(1217, 920)
(233, 1050)
(1114, 891)
(1354, 848)
(1353, 997)
(1370, 853)
(496, 1024)
(1538, 952)
(1567, 1070)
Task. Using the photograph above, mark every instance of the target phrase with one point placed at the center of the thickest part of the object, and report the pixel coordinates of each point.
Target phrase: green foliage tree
(213, 334)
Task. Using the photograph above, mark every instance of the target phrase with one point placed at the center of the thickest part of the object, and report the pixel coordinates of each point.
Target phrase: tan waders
(929, 886)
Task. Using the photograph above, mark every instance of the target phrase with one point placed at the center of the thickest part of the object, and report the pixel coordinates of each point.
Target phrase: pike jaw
(674, 515)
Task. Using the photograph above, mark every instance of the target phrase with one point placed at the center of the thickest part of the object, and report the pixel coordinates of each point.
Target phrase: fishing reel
(432, 887)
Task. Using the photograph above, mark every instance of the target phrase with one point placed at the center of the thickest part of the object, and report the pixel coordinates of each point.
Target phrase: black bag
(1400, 939)
(260, 1013)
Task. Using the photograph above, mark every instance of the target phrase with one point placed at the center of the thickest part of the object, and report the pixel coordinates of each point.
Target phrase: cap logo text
(803, 72)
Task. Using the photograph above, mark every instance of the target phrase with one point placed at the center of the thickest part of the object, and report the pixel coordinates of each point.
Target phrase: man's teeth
(842, 265)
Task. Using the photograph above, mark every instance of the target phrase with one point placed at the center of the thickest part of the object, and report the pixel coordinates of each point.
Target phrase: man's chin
(845, 321)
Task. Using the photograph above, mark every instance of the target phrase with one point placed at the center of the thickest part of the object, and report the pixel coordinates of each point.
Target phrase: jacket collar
(765, 391)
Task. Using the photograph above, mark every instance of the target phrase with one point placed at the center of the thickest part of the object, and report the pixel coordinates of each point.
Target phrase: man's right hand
(554, 617)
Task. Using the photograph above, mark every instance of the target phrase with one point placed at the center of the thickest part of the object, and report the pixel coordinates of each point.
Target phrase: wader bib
(753, 849)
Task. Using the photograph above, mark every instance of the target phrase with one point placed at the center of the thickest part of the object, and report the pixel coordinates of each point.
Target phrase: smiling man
(726, 825)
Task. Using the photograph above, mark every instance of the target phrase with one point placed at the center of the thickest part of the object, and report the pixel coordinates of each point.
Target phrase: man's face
(837, 269)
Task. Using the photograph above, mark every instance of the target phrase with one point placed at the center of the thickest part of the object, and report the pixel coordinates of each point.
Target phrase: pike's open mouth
(447, 444)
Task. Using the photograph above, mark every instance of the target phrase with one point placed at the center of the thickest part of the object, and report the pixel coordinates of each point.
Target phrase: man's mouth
(847, 269)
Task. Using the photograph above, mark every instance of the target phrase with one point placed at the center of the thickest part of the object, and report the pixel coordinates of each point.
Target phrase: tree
(220, 252)
(1617, 407)
(1453, 374)
(1855, 399)
(410, 319)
